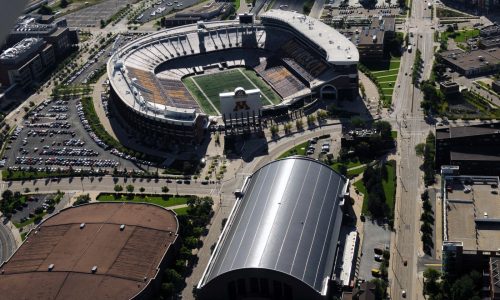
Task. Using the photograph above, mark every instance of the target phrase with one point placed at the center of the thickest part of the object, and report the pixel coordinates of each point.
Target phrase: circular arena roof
(93, 251)
(287, 222)
(146, 74)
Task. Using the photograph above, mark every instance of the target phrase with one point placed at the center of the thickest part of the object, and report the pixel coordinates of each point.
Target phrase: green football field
(206, 88)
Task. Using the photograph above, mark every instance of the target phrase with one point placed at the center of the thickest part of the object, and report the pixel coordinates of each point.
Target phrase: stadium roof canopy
(339, 50)
(288, 221)
(93, 251)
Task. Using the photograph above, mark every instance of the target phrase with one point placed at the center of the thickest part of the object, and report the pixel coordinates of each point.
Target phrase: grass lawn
(387, 85)
(389, 185)
(386, 73)
(198, 95)
(463, 35)
(299, 149)
(166, 201)
(181, 211)
(226, 81)
(362, 190)
(356, 171)
(29, 221)
(384, 78)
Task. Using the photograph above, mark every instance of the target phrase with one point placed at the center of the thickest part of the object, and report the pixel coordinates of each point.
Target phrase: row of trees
(192, 226)
(417, 67)
(429, 159)
(438, 286)
(427, 219)
(372, 180)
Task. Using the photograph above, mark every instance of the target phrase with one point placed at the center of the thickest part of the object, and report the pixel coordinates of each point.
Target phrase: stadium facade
(299, 57)
(281, 240)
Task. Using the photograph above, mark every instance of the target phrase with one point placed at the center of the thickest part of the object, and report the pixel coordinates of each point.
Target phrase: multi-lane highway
(409, 120)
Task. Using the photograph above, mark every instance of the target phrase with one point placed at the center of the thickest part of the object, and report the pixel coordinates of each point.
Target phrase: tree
(82, 199)
(45, 10)
(142, 189)
(274, 130)
(357, 122)
(103, 23)
(64, 3)
(130, 188)
(164, 189)
(299, 124)
(464, 289)
(172, 276)
(380, 288)
(384, 128)
(431, 285)
(419, 149)
(118, 188)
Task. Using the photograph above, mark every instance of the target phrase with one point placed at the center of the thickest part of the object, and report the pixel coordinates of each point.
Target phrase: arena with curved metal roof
(280, 241)
(93, 251)
(296, 55)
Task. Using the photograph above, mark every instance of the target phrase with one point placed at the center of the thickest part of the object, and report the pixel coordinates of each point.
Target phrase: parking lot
(54, 137)
(320, 148)
(161, 8)
(92, 15)
(374, 236)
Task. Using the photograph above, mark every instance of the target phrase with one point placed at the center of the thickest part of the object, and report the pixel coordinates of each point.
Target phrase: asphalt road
(412, 131)
(7, 242)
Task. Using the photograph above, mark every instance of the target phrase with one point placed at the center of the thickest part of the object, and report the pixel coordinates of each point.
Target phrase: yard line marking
(251, 82)
(205, 95)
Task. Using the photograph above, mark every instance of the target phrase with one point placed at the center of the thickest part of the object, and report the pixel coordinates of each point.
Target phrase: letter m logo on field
(241, 105)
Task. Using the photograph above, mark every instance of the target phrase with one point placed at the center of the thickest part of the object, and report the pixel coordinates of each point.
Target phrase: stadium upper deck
(146, 74)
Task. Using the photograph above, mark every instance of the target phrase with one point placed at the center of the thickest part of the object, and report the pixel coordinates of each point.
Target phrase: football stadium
(168, 83)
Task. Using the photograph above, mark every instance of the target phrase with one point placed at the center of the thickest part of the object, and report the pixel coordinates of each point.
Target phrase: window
(231, 290)
(242, 289)
(264, 287)
(287, 291)
(254, 285)
(277, 292)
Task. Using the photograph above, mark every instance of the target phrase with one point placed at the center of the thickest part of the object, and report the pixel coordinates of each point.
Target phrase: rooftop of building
(490, 29)
(491, 41)
(466, 131)
(22, 48)
(475, 154)
(123, 242)
(339, 50)
(384, 23)
(472, 214)
(28, 23)
(272, 228)
(473, 59)
(371, 37)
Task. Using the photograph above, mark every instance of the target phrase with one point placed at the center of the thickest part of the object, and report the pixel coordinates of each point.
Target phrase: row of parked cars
(69, 152)
(70, 162)
(93, 59)
(101, 143)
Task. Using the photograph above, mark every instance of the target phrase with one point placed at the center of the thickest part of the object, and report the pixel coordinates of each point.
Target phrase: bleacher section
(177, 94)
(276, 75)
(283, 61)
(150, 89)
(301, 61)
(162, 91)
